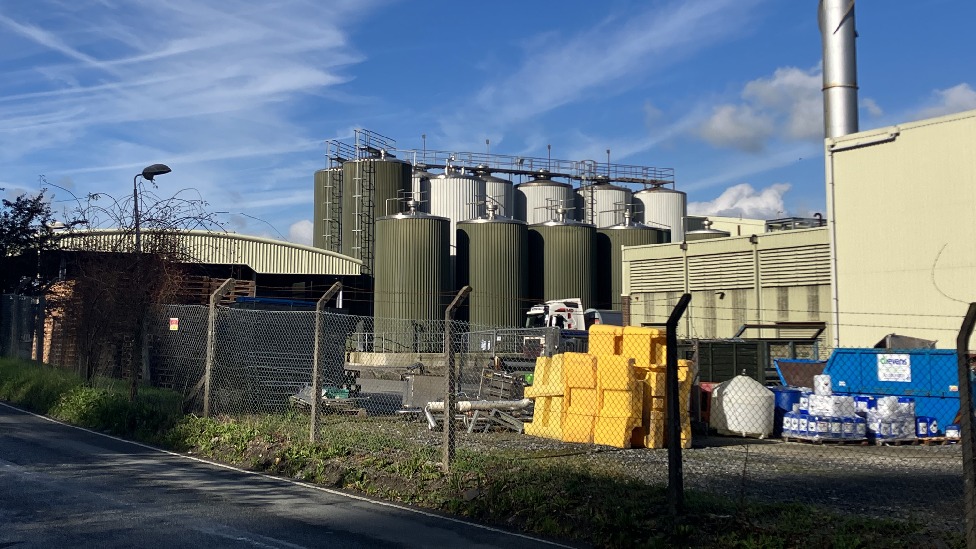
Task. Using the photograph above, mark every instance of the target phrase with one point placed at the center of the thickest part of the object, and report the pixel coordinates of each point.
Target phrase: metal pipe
(836, 20)
(464, 406)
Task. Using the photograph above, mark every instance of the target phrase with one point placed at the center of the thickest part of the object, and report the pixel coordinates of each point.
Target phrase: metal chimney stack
(836, 18)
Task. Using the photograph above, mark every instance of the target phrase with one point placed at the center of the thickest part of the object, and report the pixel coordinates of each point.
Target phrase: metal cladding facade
(325, 229)
(500, 192)
(420, 188)
(389, 179)
(411, 271)
(603, 204)
(662, 208)
(455, 196)
(493, 255)
(561, 261)
(535, 200)
(609, 275)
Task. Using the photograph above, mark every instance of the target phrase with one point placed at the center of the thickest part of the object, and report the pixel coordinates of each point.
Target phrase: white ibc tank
(742, 406)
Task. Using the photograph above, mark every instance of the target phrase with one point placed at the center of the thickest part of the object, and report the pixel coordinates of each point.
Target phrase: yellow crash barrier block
(582, 401)
(578, 428)
(615, 372)
(615, 431)
(548, 378)
(579, 370)
(605, 340)
(650, 433)
(615, 403)
(547, 418)
(645, 345)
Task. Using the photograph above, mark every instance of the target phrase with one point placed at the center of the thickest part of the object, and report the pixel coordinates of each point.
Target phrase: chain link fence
(872, 432)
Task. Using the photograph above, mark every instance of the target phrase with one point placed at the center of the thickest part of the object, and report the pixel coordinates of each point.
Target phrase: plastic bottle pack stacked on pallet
(613, 395)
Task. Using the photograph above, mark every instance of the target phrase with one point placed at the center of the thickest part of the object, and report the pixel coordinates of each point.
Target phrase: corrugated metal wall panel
(804, 266)
(657, 275)
(264, 255)
(726, 271)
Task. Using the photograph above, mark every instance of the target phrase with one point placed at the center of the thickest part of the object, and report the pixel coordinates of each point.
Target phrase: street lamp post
(149, 173)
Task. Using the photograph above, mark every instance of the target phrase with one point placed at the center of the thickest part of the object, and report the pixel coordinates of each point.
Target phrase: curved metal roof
(263, 255)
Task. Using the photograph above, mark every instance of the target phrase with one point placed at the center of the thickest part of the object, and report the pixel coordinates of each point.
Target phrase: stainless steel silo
(603, 204)
(456, 196)
(498, 191)
(493, 259)
(537, 200)
(420, 187)
(561, 260)
(410, 280)
(662, 208)
(371, 188)
(609, 266)
(327, 195)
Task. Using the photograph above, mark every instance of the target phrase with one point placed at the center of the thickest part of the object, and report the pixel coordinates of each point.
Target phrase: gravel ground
(907, 482)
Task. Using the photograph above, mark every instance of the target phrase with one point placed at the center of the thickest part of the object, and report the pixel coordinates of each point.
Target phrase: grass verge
(564, 497)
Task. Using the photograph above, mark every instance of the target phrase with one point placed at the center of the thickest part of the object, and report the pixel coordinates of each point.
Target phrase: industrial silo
(371, 188)
(493, 259)
(498, 191)
(609, 276)
(661, 207)
(537, 200)
(561, 260)
(327, 196)
(410, 279)
(603, 204)
(420, 187)
(456, 196)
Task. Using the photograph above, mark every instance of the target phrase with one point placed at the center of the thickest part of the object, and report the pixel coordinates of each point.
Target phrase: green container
(492, 258)
(561, 261)
(370, 188)
(411, 280)
(609, 264)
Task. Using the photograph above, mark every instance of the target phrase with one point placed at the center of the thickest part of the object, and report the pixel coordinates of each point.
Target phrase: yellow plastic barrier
(615, 373)
(605, 340)
(578, 428)
(579, 370)
(547, 419)
(548, 378)
(622, 403)
(615, 431)
(645, 345)
(582, 401)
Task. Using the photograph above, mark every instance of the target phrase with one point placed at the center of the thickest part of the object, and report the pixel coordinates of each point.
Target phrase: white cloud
(300, 232)
(950, 101)
(872, 107)
(737, 126)
(788, 105)
(743, 200)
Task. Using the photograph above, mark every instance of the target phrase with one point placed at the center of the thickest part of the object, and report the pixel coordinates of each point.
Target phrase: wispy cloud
(208, 86)
(608, 59)
(958, 98)
(744, 200)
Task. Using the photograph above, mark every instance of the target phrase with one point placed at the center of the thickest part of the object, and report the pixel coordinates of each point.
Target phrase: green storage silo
(371, 188)
(326, 223)
(609, 265)
(410, 279)
(561, 260)
(492, 258)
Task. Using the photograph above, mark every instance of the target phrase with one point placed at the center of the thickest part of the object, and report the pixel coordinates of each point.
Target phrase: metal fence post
(966, 425)
(450, 391)
(39, 329)
(211, 340)
(676, 495)
(313, 427)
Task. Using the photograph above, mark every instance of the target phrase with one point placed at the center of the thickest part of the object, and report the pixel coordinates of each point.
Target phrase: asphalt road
(62, 486)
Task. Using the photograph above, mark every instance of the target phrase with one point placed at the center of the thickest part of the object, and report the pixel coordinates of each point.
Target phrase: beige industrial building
(737, 226)
(901, 207)
(760, 278)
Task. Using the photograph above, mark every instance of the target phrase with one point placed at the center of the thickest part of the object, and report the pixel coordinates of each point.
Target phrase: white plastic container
(821, 385)
(842, 406)
(742, 406)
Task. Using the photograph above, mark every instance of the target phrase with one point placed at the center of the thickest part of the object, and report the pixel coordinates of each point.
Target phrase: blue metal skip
(930, 376)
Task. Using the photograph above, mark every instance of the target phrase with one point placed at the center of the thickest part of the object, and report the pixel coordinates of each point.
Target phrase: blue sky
(239, 96)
